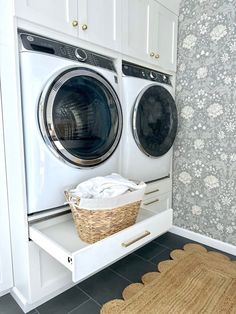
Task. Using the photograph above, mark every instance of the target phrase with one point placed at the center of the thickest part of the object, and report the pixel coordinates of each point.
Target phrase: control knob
(164, 77)
(80, 54)
(153, 75)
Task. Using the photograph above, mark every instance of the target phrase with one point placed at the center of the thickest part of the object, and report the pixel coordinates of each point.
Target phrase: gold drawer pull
(128, 243)
(152, 202)
(147, 193)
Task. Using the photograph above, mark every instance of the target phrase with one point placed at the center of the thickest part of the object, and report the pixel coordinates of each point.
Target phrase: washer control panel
(40, 44)
(130, 69)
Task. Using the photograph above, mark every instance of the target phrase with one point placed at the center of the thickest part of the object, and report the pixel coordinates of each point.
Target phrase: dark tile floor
(88, 296)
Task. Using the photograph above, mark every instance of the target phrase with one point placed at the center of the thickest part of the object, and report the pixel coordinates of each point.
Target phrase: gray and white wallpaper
(204, 197)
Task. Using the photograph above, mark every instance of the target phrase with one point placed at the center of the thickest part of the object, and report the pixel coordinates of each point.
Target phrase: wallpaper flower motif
(204, 182)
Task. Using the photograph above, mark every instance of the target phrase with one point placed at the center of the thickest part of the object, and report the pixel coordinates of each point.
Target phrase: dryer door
(154, 121)
(80, 117)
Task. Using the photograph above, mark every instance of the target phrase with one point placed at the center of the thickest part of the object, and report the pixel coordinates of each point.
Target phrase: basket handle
(72, 200)
(66, 194)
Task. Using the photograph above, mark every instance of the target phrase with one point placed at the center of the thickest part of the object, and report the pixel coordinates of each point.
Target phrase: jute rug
(195, 281)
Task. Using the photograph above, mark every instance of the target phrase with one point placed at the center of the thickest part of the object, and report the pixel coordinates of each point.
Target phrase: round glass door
(154, 121)
(80, 117)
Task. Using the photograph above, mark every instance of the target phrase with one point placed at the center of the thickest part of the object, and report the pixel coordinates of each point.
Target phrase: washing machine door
(80, 117)
(154, 121)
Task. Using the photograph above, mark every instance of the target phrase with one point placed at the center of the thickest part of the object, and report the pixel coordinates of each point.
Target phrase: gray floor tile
(88, 307)
(132, 267)
(173, 241)
(64, 302)
(104, 286)
(163, 256)
(9, 306)
(150, 250)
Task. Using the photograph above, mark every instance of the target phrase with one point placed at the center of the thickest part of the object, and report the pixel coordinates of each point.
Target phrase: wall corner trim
(219, 245)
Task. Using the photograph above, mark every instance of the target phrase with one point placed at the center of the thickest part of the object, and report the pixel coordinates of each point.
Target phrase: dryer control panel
(130, 69)
(37, 43)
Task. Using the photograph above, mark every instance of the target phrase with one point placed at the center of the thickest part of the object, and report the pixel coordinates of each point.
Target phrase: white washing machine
(72, 117)
(150, 123)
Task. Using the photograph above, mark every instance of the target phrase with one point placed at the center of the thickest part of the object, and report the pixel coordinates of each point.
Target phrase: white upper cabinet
(172, 5)
(136, 28)
(100, 22)
(143, 29)
(150, 33)
(60, 15)
(97, 21)
(164, 36)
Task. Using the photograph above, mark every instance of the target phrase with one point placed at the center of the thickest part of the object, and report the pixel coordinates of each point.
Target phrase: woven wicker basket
(95, 225)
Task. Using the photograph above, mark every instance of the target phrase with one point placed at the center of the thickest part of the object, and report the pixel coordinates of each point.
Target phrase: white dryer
(150, 123)
(72, 117)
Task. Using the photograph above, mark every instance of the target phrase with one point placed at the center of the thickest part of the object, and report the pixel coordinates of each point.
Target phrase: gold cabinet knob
(152, 54)
(157, 56)
(84, 27)
(75, 23)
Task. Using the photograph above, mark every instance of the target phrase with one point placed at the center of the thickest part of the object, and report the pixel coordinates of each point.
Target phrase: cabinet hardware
(128, 243)
(152, 54)
(147, 193)
(69, 259)
(84, 27)
(75, 23)
(149, 203)
(157, 56)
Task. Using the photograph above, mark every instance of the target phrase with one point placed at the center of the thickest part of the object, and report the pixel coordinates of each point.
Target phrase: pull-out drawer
(157, 188)
(58, 237)
(157, 202)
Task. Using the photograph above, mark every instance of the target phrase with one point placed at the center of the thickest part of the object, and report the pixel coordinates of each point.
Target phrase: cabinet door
(136, 20)
(164, 36)
(58, 15)
(5, 246)
(100, 22)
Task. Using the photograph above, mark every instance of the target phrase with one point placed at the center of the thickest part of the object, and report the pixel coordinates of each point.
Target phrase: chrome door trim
(134, 115)
(45, 116)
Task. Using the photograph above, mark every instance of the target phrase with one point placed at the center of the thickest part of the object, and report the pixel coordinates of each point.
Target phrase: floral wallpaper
(204, 181)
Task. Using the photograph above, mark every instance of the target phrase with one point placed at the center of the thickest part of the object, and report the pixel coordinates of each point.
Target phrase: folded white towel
(105, 187)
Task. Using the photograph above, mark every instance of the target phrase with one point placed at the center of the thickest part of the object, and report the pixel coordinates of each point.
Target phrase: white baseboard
(219, 245)
(20, 299)
(2, 293)
(27, 307)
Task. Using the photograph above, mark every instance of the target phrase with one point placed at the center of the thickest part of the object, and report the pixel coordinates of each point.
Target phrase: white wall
(14, 153)
(5, 246)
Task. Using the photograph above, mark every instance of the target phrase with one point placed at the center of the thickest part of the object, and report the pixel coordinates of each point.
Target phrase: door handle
(147, 193)
(152, 202)
(128, 243)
